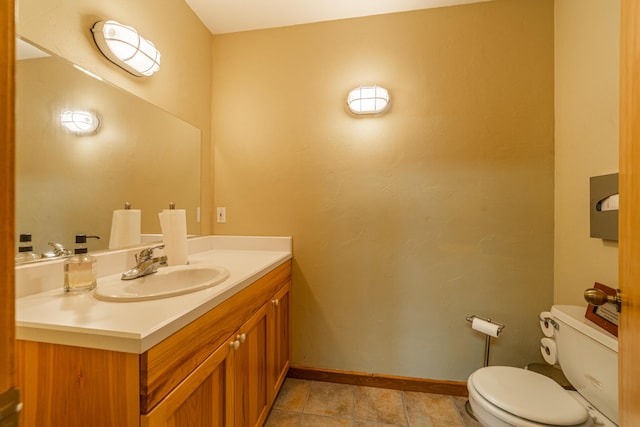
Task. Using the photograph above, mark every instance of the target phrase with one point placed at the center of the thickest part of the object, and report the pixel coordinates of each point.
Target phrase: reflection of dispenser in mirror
(25, 250)
(603, 206)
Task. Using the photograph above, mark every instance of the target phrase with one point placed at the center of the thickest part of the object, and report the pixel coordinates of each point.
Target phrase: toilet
(503, 396)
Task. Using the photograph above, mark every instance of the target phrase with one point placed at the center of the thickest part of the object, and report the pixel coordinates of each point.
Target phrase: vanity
(213, 357)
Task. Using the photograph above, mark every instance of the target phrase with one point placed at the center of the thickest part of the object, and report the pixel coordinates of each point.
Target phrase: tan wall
(587, 40)
(403, 224)
(183, 85)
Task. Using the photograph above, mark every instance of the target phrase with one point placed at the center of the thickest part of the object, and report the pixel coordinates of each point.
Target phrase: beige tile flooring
(302, 403)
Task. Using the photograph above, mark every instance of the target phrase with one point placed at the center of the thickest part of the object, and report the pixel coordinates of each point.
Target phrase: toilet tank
(588, 356)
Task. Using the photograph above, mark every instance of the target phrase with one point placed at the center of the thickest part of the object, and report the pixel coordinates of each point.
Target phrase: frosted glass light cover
(123, 46)
(368, 100)
(80, 122)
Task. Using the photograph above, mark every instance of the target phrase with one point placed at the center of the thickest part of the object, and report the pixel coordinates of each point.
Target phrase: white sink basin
(167, 282)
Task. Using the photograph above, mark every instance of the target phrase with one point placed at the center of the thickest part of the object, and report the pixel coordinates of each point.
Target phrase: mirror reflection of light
(80, 122)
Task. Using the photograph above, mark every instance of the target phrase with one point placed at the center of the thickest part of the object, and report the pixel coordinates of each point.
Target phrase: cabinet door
(201, 399)
(249, 359)
(279, 338)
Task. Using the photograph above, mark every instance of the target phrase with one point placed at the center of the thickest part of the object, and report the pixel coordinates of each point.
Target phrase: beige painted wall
(587, 40)
(183, 85)
(403, 224)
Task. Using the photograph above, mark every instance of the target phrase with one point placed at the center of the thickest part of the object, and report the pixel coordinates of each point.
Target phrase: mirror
(67, 184)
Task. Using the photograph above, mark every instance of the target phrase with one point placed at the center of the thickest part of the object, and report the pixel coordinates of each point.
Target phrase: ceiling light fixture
(368, 100)
(123, 46)
(80, 122)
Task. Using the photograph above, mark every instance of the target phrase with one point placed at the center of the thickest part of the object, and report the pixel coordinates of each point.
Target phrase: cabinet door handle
(235, 344)
(242, 338)
(275, 302)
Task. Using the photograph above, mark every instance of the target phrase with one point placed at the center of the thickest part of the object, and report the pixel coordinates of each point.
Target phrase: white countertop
(80, 319)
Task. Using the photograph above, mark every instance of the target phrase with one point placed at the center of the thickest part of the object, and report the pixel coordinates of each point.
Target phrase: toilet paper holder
(549, 320)
(487, 344)
(499, 325)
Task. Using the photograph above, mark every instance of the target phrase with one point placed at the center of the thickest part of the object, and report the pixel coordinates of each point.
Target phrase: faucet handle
(147, 253)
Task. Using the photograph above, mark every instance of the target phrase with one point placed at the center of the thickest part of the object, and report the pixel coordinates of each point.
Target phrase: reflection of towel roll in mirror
(174, 235)
(610, 203)
(125, 228)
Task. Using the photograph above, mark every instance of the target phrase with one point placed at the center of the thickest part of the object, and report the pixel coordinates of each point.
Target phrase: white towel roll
(549, 351)
(545, 324)
(174, 235)
(125, 228)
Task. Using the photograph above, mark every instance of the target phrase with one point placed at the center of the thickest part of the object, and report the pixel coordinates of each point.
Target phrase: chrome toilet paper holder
(487, 343)
(500, 325)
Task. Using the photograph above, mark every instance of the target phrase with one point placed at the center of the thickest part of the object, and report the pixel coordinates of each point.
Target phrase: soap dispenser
(80, 270)
(25, 250)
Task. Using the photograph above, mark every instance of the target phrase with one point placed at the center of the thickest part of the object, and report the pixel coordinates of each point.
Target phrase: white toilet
(507, 396)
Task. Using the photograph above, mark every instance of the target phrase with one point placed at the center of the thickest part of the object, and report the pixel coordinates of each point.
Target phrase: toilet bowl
(504, 396)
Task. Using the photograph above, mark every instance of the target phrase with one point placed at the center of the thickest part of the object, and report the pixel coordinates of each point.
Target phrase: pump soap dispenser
(25, 250)
(80, 270)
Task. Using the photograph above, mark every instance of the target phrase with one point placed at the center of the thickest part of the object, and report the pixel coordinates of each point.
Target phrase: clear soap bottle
(25, 250)
(80, 270)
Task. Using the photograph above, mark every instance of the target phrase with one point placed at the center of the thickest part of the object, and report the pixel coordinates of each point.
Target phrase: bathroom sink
(166, 282)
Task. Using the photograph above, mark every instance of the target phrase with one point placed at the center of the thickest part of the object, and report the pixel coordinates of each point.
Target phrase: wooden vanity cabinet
(279, 338)
(223, 369)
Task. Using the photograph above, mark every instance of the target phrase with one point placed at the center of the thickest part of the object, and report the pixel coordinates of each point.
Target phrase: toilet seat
(524, 398)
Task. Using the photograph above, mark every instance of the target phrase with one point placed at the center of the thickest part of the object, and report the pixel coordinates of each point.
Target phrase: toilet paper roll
(125, 228)
(545, 325)
(485, 327)
(549, 350)
(174, 235)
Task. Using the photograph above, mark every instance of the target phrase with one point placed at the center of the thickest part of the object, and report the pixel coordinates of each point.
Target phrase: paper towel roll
(485, 327)
(546, 325)
(125, 228)
(549, 350)
(174, 235)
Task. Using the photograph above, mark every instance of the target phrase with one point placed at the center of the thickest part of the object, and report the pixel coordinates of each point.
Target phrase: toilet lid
(528, 395)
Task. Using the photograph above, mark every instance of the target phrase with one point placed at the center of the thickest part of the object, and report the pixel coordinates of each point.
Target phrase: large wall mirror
(67, 184)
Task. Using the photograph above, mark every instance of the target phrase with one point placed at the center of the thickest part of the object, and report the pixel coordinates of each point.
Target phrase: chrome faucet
(146, 263)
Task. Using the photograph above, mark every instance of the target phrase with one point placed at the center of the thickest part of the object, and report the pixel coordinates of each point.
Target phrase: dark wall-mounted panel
(604, 220)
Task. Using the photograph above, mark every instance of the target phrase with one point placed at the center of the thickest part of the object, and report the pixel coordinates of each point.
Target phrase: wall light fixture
(368, 100)
(123, 46)
(80, 122)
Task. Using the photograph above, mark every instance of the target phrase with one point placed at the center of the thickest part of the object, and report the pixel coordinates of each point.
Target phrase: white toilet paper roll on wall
(545, 325)
(485, 327)
(549, 350)
(125, 228)
(174, 235)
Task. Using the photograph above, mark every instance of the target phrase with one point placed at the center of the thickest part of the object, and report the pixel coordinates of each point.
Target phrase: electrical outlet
(221, 215)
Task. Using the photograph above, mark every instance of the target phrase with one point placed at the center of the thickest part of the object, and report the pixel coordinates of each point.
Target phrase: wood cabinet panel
(279, 339)
(201, 399)
(251, 394)
(68, 386)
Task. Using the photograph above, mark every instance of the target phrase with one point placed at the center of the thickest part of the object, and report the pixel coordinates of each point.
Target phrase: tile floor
(302, 403)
